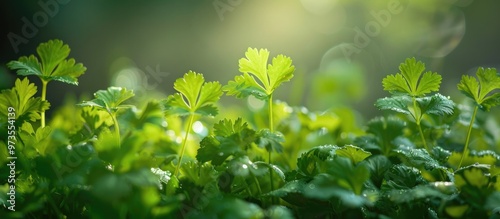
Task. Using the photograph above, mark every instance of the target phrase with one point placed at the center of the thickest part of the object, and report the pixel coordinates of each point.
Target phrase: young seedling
(53, 65)
(195, 97)
(482, 92)
(409, 88)
(270, 77)
(110, 100)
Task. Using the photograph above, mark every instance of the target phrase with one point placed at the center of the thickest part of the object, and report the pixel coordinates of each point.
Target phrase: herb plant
(482, 92)
(53, 65)
(102, 158)
(195, 97)
(269, 76)
(409, 88)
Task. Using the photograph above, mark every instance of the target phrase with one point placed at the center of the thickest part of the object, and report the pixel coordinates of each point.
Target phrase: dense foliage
(427, 157)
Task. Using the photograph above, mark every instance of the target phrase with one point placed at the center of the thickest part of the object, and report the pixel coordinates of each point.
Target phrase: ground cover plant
(108, 157)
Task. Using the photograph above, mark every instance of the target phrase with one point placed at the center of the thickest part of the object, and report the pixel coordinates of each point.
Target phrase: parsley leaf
(411, 80)
(110, 99)
(230, 139)
(260, 79)
(52, 65)
(479, 91)
(194, 97)
(21, 98)
(436, 104)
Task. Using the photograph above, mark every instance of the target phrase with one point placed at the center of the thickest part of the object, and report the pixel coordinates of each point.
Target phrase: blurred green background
(341, 48)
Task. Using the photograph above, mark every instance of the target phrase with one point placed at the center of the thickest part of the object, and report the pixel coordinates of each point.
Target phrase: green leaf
(377, 165)
(260, 79)
(397, 103)
(313, 161)
(271, 141)
(244, 86)
(418, 158)
(230, 139)
(53, 64)
(347, 175)
(194, 97)
(110, 99)
(20, 97)
(355, 154)
(436, 105)
(476, 175)
(275, 169)
(414, 194)
(281, 70)
(385, 130)
(322, 188)
(402, 177)
(482, 91)
(256, 63)
(472, 157)
(294, 186)
(243, 166)
(199, 174)
(412, 80)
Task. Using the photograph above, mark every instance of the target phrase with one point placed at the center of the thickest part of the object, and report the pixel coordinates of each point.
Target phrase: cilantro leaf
(52, 65)
(436, 105)
(271, 141)
(482, 91)
(260, 79)
(397, 103)
(194, 97)
(230, 139)
(110, 99)
(354, 153)
(20, 97)
(411, 80)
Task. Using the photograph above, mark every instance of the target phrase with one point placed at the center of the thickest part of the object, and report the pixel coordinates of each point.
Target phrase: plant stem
(190, 124)
(418, 118)
(271, 125)
(467, 140)
(44, 96)
(271, 128)
(117, 127)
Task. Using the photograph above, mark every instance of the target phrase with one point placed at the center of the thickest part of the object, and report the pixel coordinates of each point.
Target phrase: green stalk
(418, 118)
(467, 140)
(44, 95)
(271, 128)
(190, 124)
(117, 127)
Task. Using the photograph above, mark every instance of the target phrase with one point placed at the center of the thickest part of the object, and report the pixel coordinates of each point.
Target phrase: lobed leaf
(256, 63)
(482, 91)
(271, 141)
(229, 139)
(53, 64)
(260, 79)
(436, 105)
(355, 154)
(194, 97)
(395, 103)
(110, 99)
(20, 97)
(281, 70)
(411, 80)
